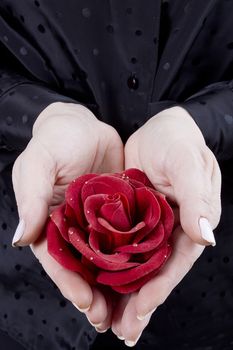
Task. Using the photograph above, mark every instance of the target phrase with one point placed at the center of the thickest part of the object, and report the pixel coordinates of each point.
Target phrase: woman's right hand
(68, 141)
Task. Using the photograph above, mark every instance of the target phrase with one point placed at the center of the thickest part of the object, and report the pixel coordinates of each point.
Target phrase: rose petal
(114, 211)
(113, 237)
(107, 184)
(58, 217)
(148, 210)
(73, 197)
(136, 285)
(153, 240)
(70, 215)
(94, 244)
(59, 249)
(78, 239)
(167, 215)
(119, 238)
(124, 277)
(139, 176)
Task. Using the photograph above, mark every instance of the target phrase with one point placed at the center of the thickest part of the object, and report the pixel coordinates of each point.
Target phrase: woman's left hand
(171, 150)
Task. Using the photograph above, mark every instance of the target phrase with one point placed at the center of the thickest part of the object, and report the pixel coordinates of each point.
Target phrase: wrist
(58, 109)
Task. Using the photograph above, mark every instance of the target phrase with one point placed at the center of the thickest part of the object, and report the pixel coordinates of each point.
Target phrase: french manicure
(81, 309)
(120, 337)
(206, 231)
(94, 324)
(101, 330)
(131, 343)
(143, 317)
(18, 233)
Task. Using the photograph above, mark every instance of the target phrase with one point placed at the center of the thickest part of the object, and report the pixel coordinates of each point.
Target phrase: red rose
(113, 229)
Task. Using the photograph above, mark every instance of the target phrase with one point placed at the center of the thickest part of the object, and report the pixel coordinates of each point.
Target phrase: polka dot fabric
(126, 61)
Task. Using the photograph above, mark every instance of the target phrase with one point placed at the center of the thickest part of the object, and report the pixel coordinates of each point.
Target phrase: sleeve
(22, 99)
(212, 110)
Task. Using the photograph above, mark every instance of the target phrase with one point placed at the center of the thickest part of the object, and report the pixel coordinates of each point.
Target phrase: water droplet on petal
(60, 249)
(91, 258)
(135, 244)
(88, 211)
(165, 256)
(71, 199)
(86, 182)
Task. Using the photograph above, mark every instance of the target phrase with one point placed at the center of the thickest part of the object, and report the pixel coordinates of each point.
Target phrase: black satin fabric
(126, 61)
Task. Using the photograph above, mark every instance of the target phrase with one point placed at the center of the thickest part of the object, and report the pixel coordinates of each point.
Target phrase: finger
(113, 160)
(131, 152)
(33, 179)
(131, 327)
(98, 311)
(71, 284)
(118, 314)
(106, 324)
(192, 180)
(154, 293)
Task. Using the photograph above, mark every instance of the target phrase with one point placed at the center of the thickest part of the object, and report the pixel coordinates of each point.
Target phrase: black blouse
(126, 61)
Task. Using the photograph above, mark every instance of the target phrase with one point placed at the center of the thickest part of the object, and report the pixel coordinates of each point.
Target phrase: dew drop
(91, 258)
(88, 211)
(86, 182)
(135, 244)
(60, 249)
(165, 256)
(71, 199)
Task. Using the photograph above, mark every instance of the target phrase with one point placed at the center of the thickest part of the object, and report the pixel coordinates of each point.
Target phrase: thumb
(197, 191)
(33, 180)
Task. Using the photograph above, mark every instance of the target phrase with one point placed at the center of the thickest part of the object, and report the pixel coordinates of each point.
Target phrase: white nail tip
(18, 233)
(101, 330)
(95, 324)
(143, 317)
(206, 231)
(130, 343)
(120, 337)
(81, 310)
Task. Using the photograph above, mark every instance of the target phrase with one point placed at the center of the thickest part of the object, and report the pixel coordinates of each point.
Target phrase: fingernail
(18, 233)
(206, 231)
(82, 309)
(120, 337)
(94, 324)
(101, 330)
(131, 343)
(143, 317)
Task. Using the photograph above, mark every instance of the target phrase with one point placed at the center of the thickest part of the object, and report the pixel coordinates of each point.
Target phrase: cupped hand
(172, 152)
(67, 141)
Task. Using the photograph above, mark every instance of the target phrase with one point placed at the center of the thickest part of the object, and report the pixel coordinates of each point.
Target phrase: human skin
(69, 141)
